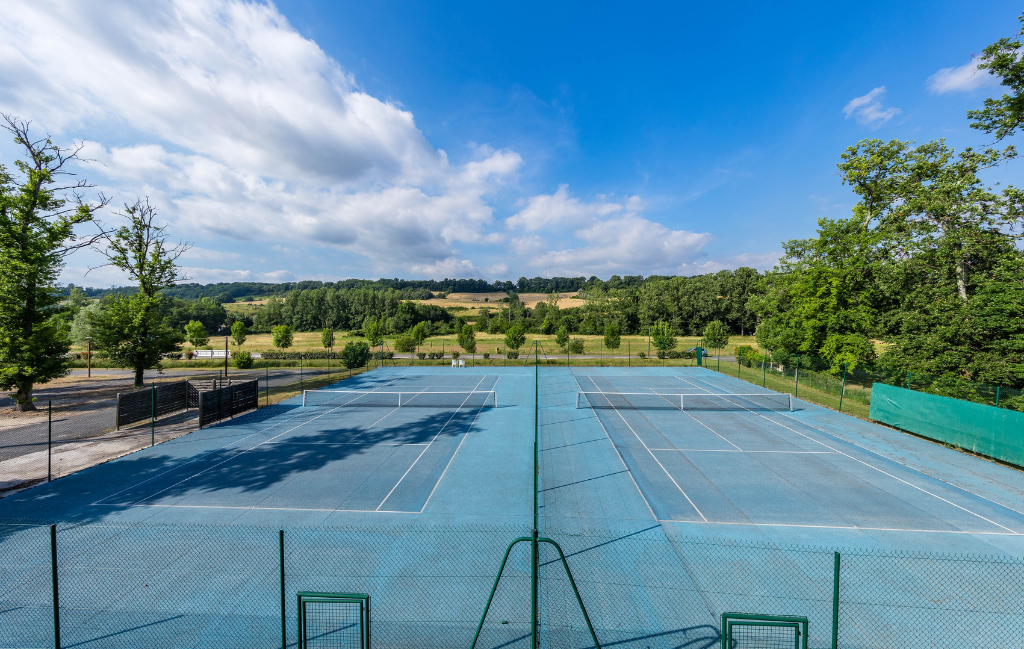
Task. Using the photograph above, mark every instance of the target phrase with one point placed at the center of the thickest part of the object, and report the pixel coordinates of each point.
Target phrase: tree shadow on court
(248, 466)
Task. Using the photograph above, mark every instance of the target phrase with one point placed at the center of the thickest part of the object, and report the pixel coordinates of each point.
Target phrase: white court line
(257, 507)
(196, 459)
(441, 430)
(909, 484)
(846, 527)
(730, 450)
(653, 456)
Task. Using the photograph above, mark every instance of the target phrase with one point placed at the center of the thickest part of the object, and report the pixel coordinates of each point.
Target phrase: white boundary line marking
(845, 527)
(653, 456)
(258, 508)
(729, 450)
(440, 430)
(909, 484)
(624, 465)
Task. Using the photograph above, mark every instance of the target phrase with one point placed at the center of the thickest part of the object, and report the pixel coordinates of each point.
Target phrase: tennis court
(677, 495)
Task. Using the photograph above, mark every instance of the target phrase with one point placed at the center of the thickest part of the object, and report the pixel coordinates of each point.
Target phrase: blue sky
(324, 140)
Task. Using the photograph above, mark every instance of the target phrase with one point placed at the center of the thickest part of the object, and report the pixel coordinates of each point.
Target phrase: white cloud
(605, 237)
(243, 128)
(965, 78)
(214, 275)
(868, 109)
(452, 267)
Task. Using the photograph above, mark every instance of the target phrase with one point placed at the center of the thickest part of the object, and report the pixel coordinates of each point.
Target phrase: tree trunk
(23, 399)
(139, 371)
(961, 279)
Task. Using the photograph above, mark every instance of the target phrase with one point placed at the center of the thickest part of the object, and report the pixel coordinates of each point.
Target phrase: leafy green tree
(239, 332)
(576, 346)
(131, 330)
(612, 338)
(562, 336)
(327, 338)
(373, 329)
(140, 249)
(467, 339)
(418, 333)
(282, 335)
(37, 232)
(1002, 116)
(716, 335)
(404, 344)
(243, 360)
(196, 334)
(355, 354)
(81, 325)
(515, 337)
(663, 337)
(225, 298)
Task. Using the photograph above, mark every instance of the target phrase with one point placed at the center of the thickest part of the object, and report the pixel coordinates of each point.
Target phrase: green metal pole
(997, 396)
(268, 382)
(284, 626)
(533, 582)
(56, 599)
(152, 415)
(835, 604)
(910, 375)
(842, 392)
(49, 439)
(629, 355)
(719, 358)
(796, 390)
(536, 492)
(300, 373)
(764, 370)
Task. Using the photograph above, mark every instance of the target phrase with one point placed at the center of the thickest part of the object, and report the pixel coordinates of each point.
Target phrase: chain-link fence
(85, 423)
(191, 586)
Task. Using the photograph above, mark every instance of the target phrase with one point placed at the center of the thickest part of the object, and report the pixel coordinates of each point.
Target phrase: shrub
(421, 355)
(512, 354)
(455, 356)
(748, 356)
(612, 339)
(677, 354)
(243, 360)
(642, 354)
(662, 354)
(576, 346)
(404, 344)
(487, 355)
(355, 354)
(189, 355)
(282, 336)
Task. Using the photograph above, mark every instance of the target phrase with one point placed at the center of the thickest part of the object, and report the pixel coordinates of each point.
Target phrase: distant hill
(414, 288)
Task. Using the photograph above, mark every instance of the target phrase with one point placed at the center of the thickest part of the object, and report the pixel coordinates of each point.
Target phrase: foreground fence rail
(104, 585)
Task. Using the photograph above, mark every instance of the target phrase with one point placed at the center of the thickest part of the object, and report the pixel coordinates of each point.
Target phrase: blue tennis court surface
(668, 517)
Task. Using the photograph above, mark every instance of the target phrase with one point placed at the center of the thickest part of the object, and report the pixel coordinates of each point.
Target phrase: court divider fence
(164, 586)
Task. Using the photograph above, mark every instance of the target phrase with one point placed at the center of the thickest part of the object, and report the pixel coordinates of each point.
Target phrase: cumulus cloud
(605, 237)
(243, 128)
(965, 78)
(868, 109)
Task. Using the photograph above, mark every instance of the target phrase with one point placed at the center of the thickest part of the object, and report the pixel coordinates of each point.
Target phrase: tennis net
(377, 399)
(677, 401)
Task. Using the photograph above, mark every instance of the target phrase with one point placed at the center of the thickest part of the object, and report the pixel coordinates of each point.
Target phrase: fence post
(842, 391)
(629, 355)
(300, 373)
(117, 413)
(910, 375)
(764, 369)
(796, 391)
(997, 396)
(49, 439)
(200, 410)
(56, 600)
(268, 383)
(835, 604)
(152, 414)
(533, 582)
(284, 627)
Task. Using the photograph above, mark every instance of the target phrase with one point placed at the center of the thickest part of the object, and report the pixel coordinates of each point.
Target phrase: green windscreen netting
(995, 432)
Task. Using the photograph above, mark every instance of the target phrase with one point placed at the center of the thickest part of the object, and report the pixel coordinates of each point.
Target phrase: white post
(791, 403)
(682, 404)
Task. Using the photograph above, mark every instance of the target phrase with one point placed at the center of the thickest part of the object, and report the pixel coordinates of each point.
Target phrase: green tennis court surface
(677, 494)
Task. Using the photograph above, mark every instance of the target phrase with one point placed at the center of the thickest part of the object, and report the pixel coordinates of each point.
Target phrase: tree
(467, 339)
(612, 338)
(355, 354)
(373, 329)
(225, 298)
(1004, 115)
(716, 335)
(418, 333)
(662, 336)
(282, 335)
(140, 249)
(37, 232)
(562, 336)
(196, 334)
(131, 330)
(327, 338)
(515, 337)
(239, 332)
(576, 346)
(81, 325)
